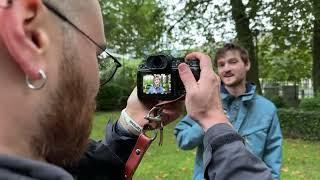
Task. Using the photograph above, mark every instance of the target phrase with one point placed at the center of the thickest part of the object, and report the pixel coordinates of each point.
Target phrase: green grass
(301, 158)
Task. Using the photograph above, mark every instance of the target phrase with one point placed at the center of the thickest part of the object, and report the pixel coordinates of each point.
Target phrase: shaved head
(72, 9)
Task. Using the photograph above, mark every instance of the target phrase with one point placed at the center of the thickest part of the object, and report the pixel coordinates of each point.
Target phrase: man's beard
(237, 82)
(65, 122)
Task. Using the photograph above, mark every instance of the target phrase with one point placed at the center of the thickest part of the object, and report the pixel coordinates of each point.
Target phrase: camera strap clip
(154, 115)
(155, 120)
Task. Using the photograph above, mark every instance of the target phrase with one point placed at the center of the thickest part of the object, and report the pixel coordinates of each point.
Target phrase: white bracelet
(129, 124)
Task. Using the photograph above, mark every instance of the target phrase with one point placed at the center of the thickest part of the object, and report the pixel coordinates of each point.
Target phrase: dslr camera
(158, 77)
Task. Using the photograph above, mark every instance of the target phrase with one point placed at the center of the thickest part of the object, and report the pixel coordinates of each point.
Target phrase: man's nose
(226, 67)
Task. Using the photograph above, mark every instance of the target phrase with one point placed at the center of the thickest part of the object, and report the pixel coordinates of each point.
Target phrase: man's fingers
(207, 75)
(187, 77)
(204, 60)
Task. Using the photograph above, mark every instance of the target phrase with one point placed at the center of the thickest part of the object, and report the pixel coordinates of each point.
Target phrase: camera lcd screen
(157, 84)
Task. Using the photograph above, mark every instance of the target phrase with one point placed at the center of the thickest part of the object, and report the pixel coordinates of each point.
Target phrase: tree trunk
(245, 37)
(316, 47)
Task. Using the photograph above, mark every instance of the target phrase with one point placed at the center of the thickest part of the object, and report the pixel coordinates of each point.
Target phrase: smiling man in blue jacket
(252, 116)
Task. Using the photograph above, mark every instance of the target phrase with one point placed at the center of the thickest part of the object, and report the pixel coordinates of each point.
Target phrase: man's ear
(23, 35)
(248, 65)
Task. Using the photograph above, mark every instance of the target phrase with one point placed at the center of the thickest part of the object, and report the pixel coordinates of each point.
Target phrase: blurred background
(281, 36)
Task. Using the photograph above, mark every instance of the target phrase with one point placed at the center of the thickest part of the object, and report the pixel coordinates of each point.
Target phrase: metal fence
(300, 90)
(290, 93)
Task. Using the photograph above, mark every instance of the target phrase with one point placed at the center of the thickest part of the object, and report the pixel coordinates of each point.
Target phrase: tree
(225, 19)
(133, 27)
(297, 23)
(291, 64)
(245, 37)
(316, 46)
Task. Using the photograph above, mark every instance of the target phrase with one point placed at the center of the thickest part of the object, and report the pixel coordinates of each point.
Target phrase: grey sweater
(227, 158)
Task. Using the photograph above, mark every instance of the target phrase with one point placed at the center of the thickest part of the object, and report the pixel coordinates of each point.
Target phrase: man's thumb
(186, 76)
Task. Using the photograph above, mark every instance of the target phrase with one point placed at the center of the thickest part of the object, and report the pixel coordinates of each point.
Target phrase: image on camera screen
(157, 84)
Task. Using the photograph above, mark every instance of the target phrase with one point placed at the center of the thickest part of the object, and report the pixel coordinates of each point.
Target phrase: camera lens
(157, 62)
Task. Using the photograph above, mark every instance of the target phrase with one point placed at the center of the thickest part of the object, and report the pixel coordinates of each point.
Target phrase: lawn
(301, 158)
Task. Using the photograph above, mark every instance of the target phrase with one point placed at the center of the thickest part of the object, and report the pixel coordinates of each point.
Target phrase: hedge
(300, 124)
(310, 104)
(114, 95)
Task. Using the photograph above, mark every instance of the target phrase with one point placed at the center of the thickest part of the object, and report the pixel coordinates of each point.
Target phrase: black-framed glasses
(108, 64)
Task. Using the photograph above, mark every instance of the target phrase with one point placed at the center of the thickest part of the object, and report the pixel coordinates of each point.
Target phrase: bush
(114, 95)
(278, 101)
(300, 124)
(310, 104)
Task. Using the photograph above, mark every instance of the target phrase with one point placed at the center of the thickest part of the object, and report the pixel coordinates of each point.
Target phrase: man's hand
(203, 101)
(137, 110)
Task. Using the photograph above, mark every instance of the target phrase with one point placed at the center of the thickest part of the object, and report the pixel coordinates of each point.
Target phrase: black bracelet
(226, 139)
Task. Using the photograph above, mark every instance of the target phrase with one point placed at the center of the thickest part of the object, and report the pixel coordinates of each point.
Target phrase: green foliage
(296, 23)
(291, 64)
(300, 124)
(167, 162)
(114, 95)
(292, 23)
(282, 28)
(277, 101)
(133, 26)
(310, 104)
(212, 19)
(316, 45)
(209, 18)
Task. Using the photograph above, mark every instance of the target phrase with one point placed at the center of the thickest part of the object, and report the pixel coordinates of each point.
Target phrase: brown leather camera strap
(142, 144)
(136, 155)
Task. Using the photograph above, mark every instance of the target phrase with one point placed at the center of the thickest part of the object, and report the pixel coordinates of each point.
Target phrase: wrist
(128, 124)
(213, 119)
(137, 117)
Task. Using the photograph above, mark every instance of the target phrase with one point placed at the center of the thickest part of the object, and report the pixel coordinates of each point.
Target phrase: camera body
(158, 77)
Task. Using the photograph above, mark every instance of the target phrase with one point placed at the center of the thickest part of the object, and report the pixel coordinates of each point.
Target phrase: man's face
(66, 117)
(231, 69)
(157, 81)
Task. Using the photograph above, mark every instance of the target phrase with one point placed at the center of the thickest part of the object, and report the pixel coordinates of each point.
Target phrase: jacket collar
(22, 168)
(248, 95)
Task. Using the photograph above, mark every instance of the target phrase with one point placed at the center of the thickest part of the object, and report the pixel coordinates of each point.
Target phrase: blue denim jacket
(253, 117)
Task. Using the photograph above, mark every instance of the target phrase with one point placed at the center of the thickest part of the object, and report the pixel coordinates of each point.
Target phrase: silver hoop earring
(41, 84)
